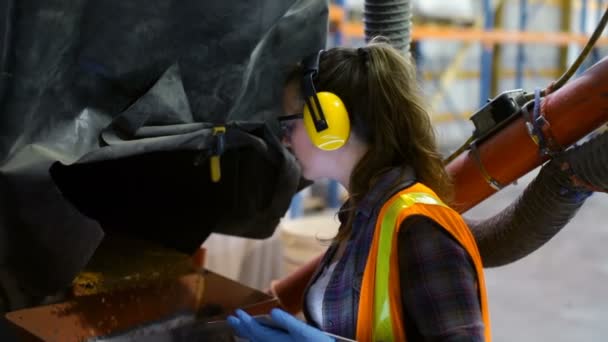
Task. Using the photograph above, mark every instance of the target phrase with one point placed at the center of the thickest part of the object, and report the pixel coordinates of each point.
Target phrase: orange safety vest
(380, 316)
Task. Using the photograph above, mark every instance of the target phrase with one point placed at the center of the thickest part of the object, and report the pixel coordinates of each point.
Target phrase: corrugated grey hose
(391, 19)
(546, 205)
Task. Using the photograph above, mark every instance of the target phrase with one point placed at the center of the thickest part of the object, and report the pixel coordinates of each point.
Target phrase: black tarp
(107, 116)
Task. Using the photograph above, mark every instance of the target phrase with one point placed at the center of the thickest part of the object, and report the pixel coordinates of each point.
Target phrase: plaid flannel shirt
(439, 289)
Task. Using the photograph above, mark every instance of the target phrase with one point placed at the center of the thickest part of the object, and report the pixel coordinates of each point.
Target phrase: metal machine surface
(133, 288)
(111, 113)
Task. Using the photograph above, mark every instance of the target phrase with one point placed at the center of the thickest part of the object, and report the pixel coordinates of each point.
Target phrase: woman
(403, 266)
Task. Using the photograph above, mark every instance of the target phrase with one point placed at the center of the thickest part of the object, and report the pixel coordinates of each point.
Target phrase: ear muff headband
(311, 69)
(325, 116)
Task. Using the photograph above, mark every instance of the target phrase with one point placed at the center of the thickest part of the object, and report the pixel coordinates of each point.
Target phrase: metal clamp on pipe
(539, 128)
(496, 185)
(216, 152)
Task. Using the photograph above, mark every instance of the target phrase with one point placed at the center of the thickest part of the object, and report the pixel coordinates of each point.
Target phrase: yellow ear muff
(338, 124)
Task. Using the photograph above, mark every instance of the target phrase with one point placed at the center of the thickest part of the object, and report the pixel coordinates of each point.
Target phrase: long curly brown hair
(379, 88)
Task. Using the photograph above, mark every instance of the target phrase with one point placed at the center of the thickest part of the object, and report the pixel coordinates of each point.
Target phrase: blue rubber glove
(291, 328)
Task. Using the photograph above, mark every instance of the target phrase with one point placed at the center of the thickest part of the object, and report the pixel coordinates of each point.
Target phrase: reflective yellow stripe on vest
(382, 328)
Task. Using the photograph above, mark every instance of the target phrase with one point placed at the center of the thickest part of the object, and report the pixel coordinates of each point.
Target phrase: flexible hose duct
(549, 202)
(590, 161)
(391, 19)
(545, 207)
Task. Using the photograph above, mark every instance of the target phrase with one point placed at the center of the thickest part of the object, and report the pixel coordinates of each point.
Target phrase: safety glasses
(287, 123)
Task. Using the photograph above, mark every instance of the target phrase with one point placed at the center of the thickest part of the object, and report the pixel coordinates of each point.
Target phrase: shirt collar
(369, 202)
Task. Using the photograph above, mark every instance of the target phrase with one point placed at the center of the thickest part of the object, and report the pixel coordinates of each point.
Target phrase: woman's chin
(307, 175)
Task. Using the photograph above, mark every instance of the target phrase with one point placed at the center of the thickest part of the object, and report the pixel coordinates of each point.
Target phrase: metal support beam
(521, 58)
(486, 56)
(497, 53)
(338, 35)
(565, 25)
(333, 188)
(448, 76)
(583, 28)
(599, 11)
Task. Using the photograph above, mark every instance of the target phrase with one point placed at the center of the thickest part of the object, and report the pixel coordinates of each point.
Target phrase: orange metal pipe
(290, 290)
(428, 32)
(573, 111)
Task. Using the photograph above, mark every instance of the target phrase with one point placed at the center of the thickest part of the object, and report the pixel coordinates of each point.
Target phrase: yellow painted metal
(498, 49)
(565, 22)
(449, 75)
(504, 73)
(575, 4)
(450, 72)
(214, 160)
(450, 117)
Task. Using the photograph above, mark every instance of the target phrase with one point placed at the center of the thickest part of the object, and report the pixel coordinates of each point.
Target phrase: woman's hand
(288, 328)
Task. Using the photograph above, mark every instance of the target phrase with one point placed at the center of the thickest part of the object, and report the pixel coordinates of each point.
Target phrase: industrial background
(124, 134)
(468, 51)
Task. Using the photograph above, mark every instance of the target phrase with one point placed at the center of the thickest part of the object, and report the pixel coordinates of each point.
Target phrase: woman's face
(315, 163)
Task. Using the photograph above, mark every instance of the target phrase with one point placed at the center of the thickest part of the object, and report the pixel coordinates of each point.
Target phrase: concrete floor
(558, 293)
